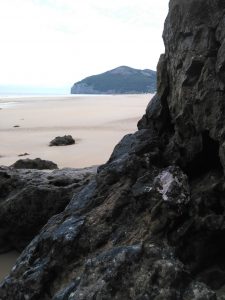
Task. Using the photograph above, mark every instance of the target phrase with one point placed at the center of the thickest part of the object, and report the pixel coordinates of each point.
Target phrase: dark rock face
(62, 141)
(28, 198)
(37, 163)
(150, 225)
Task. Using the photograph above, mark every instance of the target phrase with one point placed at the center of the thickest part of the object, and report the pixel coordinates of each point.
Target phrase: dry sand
(96, 122)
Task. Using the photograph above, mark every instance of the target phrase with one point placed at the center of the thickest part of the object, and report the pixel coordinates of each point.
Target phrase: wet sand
(96, 122)
(6, 263)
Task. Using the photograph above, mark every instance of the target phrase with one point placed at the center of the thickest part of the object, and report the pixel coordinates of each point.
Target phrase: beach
(97, 123)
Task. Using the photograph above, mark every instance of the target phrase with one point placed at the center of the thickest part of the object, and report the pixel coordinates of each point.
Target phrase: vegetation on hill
(122, 80)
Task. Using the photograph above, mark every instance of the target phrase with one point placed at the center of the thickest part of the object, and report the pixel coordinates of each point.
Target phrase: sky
(59, 42)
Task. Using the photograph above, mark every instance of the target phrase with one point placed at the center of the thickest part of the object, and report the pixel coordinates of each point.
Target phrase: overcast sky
(58, 42)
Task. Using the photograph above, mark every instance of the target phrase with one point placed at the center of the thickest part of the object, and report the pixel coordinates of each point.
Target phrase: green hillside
(122, 80)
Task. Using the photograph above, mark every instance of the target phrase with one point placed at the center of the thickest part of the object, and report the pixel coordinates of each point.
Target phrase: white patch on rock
(172, 184)
(148, 189)
(166, 178)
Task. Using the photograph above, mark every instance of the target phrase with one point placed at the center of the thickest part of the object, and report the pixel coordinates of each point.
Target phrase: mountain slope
(122, 80)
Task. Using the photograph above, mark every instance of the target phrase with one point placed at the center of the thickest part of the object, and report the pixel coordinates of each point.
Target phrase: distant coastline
(23, 91)
(7, 101)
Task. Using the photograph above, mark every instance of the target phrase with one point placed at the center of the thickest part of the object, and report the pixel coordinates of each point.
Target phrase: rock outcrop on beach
(150, 225)
(28, 198)
(36, 163)
(122, 80)
(62, 141)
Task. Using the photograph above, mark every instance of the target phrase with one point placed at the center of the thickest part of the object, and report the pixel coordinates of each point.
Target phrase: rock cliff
(151, 224)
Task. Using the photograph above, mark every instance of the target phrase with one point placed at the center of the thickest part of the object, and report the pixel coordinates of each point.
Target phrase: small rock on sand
(24, 154)
(62, 141)
(36, 163)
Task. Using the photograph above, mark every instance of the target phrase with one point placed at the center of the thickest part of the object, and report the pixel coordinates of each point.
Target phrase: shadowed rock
(28, 198)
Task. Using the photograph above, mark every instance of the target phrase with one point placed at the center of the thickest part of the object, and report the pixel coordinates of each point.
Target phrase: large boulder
(28, 198)
(103, 242)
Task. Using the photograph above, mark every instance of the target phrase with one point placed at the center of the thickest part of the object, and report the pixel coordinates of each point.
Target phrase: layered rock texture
(28, 198)
(151, 224)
